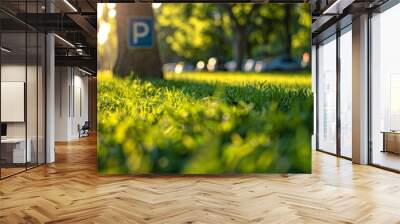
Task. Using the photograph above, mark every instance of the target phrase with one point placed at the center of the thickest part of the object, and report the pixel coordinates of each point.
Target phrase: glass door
(22, 91)
(326, 67)
(385, 89)
(345, 59)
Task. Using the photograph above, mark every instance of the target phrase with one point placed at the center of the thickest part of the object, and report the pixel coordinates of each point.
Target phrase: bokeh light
(156, 5)
(112, 13)
(200, 65)
(104, 30)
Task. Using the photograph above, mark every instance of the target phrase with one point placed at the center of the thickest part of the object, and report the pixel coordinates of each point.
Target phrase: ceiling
(73, 21)
(330, 15)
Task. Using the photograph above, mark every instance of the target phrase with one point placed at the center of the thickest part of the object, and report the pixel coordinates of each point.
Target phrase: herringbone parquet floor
(70, 191)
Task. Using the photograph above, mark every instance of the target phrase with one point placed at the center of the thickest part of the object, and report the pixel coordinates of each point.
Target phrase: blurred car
(169, 67)
(183, 67)
(281, 63)
(260, 66)
(230, 66)
(248, 66)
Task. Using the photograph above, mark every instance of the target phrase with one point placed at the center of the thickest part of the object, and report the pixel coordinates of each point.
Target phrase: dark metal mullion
(45, 95)
(334, 154)
(73, 92)
(60, 86)
(317, 97)
(15, 18)
(388, 4)
(69, 93)
(0, 96)
(385, 168)
(37, 90)
(13, 174)
(26, 86)
(338, 77)
(45, 89)
(369, 89)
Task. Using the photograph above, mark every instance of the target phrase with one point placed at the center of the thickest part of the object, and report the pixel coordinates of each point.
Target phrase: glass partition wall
(13, 89)
(385, 89)
(22, 93)
(334, 105)
(326, 54)
(334, 94)
(345, 89)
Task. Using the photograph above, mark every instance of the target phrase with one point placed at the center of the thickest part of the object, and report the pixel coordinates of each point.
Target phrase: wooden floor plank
(71, 191)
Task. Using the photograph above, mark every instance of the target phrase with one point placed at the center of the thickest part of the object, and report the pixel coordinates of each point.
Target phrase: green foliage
(195, 32)
(192, 31)
(193, 127)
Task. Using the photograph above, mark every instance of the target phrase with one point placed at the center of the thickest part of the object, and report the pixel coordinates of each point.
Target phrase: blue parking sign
(140, 32)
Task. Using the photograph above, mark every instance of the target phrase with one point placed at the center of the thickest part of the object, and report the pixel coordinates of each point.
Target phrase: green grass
(301, 79)
(205, 123)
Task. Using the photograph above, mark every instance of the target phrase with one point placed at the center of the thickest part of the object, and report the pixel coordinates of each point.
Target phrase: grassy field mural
(206, 88)
(205, 123)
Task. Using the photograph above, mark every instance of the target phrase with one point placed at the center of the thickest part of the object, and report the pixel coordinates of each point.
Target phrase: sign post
(141, 31)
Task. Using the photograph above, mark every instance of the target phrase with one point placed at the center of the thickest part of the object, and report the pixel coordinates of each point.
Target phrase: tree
(288, 31)
(258, 26)
(242, 22)
(193, 32)
(142, 62)
(301, 34)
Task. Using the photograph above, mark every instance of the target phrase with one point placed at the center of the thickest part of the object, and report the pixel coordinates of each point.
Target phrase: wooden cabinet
(391, 142)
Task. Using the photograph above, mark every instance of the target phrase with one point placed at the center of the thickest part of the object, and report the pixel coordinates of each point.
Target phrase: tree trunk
(143, 62)
(239, 47)
(249, 49)
(287, 20)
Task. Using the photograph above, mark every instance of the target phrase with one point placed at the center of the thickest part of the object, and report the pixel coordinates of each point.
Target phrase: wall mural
(204, 88)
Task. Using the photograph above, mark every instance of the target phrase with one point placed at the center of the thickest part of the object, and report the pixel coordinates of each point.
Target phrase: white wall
(12, 73)
(71, 93)
(80, 100)
(33, 126)
(62, 81)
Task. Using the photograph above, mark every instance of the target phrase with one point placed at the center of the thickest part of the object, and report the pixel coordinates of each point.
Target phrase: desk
(391, 141)
(15, 148)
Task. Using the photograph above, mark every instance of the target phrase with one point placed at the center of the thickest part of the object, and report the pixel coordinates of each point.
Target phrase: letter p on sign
(140, 33)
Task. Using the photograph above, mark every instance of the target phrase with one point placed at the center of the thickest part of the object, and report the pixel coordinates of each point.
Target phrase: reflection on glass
(346, 93)
(41, 99)
(327, 96)
(22, 91)
(31, 100)
(15, 151)
(385, 84)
